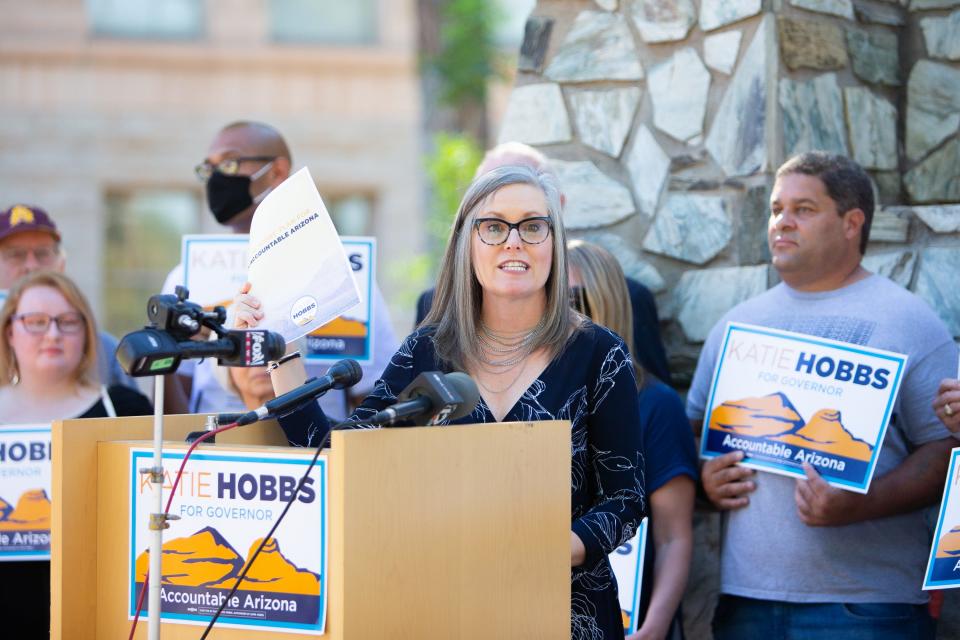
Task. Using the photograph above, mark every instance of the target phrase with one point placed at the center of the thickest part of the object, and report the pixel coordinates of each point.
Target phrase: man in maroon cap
(30, 241)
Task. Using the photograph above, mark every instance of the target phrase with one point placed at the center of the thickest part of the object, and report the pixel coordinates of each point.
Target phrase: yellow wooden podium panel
(453, 532)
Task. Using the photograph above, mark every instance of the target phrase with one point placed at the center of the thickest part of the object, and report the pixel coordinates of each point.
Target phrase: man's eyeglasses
(228, 166)
(496, 231)
(39, 322)
(17, 256)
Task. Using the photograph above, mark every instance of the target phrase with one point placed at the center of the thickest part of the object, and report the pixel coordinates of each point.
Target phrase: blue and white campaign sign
(627, 563)
(350, 335)
(214, 267)
(787, 398)
(24, 492)
(943, 569)
(227, 502)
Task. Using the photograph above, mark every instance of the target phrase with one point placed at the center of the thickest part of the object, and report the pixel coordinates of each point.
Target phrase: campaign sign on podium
(226, 504)
(25, 492)
(627, 562)
(787, 398)
(943, 569)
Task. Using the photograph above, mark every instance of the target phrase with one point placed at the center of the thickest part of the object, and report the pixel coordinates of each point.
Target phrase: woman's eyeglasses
(496, 231)
(39, 322)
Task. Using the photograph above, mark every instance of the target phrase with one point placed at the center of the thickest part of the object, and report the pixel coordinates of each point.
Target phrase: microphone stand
(158, 519)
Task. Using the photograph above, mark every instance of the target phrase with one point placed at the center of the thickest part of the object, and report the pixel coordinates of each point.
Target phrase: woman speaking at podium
(48, 371)
(502, 314)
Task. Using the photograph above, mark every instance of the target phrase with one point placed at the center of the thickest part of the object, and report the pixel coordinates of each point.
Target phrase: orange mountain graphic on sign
(342, 328)
(206, 559)
(775, 418)
(273, 572)
(31, 513)
(825, 432)
(758, 417)
(200, 560)
(949, 546)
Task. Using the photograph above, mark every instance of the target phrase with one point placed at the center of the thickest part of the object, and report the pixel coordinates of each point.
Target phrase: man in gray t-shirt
(800, 556)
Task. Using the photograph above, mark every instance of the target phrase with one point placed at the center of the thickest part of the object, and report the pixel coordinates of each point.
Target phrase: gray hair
(459, 297)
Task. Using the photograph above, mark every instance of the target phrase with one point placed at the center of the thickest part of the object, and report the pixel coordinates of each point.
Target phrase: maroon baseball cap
(23, 217)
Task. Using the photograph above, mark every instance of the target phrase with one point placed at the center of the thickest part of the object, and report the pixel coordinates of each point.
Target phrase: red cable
(173, 491)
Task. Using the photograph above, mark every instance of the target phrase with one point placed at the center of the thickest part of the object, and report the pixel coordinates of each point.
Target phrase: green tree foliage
(450, 169)
(468, 51)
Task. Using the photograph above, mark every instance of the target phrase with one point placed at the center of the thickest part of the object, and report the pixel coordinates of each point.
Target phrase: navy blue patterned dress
(591, 383)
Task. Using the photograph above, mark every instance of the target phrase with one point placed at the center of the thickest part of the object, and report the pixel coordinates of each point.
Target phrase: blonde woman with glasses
(502, 314)
(600, 292)
(48, 371)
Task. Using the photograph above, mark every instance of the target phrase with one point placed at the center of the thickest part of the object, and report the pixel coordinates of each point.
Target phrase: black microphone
(432, 397)
(152, 352)
(340, 375)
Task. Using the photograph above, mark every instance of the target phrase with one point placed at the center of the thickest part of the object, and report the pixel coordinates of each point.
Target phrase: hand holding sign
(820, 505)
(947, 404)
(726, 483)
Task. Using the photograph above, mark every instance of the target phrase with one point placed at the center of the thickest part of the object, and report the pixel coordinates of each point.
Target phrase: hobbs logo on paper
(303, 311)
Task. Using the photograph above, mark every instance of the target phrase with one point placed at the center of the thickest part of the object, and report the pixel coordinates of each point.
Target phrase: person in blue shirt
(599, 292)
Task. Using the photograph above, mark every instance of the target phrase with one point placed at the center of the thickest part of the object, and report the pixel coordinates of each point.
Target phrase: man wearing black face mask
(245, 162)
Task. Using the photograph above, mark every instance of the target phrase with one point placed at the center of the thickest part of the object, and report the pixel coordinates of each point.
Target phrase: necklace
(506, 349)
(498, 373)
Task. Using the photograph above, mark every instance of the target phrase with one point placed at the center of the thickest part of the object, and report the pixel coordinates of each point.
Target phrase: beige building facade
(107, 105)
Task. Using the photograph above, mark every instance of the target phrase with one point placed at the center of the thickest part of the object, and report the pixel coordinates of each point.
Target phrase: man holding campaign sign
(827, 380)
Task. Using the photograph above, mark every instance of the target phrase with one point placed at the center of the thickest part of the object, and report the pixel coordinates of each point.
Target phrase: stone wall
(667, 118)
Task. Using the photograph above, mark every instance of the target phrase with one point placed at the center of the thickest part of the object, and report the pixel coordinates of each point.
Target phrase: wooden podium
(435, 532)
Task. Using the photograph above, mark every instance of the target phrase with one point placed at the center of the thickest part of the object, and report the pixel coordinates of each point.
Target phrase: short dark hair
(848, 185)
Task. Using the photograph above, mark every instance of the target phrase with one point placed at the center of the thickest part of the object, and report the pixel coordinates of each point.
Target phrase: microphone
(432, 397)
(340, 375)
(152, 352)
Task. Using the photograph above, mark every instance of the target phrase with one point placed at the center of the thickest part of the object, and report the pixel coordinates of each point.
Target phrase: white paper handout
(297, 266)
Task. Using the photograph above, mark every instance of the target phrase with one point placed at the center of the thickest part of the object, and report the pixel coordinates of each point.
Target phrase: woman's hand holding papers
(247, 309)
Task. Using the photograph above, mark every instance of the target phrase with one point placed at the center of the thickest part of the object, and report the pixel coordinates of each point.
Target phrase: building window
(323, 21)
(143, 230)
(153, 19)
(352, 215)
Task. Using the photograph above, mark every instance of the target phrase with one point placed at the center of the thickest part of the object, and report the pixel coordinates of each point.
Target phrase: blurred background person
(48, 371)
(598, 290)
(29, 242)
